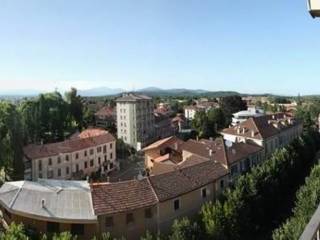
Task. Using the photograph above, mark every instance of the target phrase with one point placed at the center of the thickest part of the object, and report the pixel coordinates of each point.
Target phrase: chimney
(210, 152)
(139, 177)
(176, 146)
(252, 133)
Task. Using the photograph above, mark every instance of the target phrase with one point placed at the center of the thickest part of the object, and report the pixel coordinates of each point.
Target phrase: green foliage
(11, 142)
(184, 229)
(124, 150)
(64, 236)
(50, 118)
(232, 104)
(200, 123)
(14, 232)
(75, 107)
(308, 200)
(207, 124)
(251, 204)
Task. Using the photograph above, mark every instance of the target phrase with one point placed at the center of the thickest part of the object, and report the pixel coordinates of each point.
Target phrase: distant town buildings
(135, 119)
(181, 176)
(81, 155)
(242, 116)
(106, 117)
(202, 104)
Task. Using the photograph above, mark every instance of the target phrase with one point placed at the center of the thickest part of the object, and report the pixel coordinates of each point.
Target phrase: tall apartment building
(135, 119)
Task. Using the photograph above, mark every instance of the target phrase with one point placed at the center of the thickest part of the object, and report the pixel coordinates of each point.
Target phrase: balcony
(312, 230)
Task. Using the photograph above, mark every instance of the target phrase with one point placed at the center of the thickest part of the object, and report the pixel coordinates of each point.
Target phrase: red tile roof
(203, 147)
(105, 112)
(262, 127)
(33, 151)
(176, 183)
(109, 198)
(239, 151)
(169, 141)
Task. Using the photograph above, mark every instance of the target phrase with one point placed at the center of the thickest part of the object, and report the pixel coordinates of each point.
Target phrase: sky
(248, 46)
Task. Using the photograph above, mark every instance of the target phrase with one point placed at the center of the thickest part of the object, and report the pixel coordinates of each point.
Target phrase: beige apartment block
(135, 119)
(80, 156)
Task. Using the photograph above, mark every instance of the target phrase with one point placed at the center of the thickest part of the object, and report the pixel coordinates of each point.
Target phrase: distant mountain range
(151, 91)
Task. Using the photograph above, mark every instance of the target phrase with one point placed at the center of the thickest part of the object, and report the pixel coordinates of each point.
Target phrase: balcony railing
(312, 230)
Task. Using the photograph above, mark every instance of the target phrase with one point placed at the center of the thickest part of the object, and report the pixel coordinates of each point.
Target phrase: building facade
(270, 131)
(83, 154)
(135, 119)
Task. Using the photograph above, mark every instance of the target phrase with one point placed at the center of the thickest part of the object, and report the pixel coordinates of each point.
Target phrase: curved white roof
(49, 199)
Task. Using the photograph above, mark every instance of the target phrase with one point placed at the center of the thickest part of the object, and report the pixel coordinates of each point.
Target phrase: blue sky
(244, 45)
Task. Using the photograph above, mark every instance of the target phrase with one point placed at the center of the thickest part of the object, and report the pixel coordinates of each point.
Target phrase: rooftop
(132, 97)
(109, 198)
(262, 127)
(183, 180)
(50, 199)
(86, 139)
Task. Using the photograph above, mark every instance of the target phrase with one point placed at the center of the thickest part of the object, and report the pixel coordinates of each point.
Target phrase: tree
(11, 142)
(308, 200)
(232, 104)
(75, 107)
(200, 123)
(14, 232)
(216, 119)
(184, 229)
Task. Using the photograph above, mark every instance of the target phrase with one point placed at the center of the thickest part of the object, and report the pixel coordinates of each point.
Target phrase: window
(85, 164)
(59, 172)
(85, 153)
(99, 160)
(77, 229)
(40, 175)
(67, 157)
(176, 204)
(77, 167)
(111, 145)
(105, 158)
(91, 151)
(40, 165)
(59, 160)
(50, 162)
(234, 170)
(91, 163)
(77, 155)
(67, 170)
(98, 149)
(109, 222)
(130, 218)
(110, 165)
(53, 227)
(221, 184)
(204, 192)
(50, 174)
(148, 213)
(104, 148)
(111, 156)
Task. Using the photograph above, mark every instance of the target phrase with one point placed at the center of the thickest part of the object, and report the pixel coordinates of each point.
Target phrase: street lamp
(314, 8)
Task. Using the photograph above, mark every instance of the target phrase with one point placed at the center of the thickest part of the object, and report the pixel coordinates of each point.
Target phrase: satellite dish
(229, 143)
